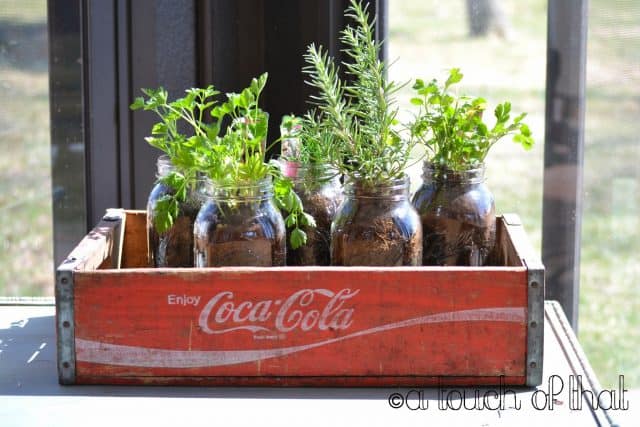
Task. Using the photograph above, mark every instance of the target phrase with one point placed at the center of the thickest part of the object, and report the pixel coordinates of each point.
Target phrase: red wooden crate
(120, 322)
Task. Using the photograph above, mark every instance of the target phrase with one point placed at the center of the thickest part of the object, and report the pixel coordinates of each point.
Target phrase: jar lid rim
(264, 182)
(480, 167)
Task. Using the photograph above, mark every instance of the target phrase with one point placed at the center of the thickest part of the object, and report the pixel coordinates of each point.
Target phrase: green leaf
(290, 201)
(245, 99)
(298, 238)
(524, 138)
(291, 125)
(159, 129)
(479, 103)
(307, 220)
(290, 220)
(417, 101)
(502, 112)
(212, 130)
(155, 142)
(220, 111)
(187, 102)
(177, 182)
(455, 76)
(419, 84)
(137, 104)
(525, 141)
(519, 118)
(257, 85)
(435, 100)
(429, 89)
(166, 212)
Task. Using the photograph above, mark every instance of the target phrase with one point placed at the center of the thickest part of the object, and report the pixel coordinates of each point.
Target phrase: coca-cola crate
(120, 322)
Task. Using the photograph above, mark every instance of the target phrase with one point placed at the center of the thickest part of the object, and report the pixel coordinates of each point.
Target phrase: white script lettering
(305, 310)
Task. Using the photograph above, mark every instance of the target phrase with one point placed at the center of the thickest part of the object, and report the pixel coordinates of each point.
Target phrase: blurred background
(502, 53)
(26, 244)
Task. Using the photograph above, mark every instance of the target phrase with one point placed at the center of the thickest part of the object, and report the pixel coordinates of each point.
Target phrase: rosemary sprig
(361, 114)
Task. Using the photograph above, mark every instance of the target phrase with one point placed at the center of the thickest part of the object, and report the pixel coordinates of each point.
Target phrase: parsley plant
(452, 126)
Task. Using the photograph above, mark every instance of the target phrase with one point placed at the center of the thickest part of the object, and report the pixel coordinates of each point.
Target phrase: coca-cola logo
(304, 310)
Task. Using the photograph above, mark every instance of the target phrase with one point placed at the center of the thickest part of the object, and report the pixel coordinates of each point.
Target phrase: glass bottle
(376, 226)
(457, 212)
(319, 188)
(239, 226)
(174, 247)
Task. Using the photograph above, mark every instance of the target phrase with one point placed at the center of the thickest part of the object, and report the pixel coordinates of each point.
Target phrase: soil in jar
(317, 249)
(373, 238)
(174, 247)
(238, 242)
(460, 234)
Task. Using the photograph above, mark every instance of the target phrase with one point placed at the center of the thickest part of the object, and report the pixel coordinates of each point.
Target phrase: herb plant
(291, 124)
(232, 156)
(359, 114)
(452, 126)
(290, 127)
(183, 150)
(310, 140)
(237, 158)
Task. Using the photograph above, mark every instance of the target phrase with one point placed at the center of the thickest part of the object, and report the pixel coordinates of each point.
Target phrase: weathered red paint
(131, 308)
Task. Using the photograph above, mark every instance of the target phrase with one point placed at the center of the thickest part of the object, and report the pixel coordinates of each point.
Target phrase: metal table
(30, 394)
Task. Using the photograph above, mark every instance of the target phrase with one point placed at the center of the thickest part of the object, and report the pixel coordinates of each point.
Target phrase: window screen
(610, 273)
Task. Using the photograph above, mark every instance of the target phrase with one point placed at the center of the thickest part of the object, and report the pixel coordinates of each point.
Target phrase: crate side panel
(316, 322)
(134, 251)
(506, 251)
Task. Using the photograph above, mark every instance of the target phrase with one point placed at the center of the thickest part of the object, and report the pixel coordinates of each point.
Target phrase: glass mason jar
(457, 212)
(376, 227)
(174, 247)
(239, 226)
(320, 190)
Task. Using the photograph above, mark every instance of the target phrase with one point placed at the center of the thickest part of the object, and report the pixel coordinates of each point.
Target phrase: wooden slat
(96, 248)
(507, 247)
(520, 249)
(516, 243)
(134, 250)
(350, 381)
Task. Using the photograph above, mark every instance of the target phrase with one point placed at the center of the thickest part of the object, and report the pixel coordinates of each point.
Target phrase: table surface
(30, 394)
